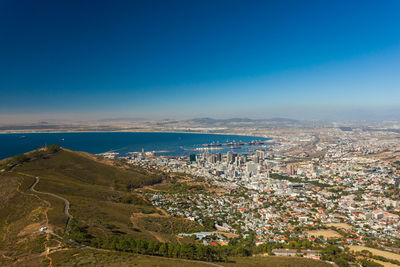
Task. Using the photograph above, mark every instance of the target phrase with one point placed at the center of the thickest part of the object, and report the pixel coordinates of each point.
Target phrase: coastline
(55, 136)
(131, 131)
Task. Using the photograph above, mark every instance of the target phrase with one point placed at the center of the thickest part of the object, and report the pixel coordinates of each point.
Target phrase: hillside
(100, 195)
(94, 210)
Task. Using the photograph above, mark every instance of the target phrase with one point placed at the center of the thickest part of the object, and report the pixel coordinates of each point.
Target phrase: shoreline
(130, 131)
(268, 139)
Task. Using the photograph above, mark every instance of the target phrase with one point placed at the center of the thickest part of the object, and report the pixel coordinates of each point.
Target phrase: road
(81, 246)
(66, 202)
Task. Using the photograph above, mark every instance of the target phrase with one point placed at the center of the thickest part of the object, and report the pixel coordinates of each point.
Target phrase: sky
(88, 60)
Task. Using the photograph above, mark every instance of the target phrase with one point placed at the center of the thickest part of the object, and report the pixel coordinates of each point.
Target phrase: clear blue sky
(183, 59)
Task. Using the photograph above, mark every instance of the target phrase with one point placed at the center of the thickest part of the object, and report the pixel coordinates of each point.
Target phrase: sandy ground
(340, 225)
(228, 235)
(324, 233)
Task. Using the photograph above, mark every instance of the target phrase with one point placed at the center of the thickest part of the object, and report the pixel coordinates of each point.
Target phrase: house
(284, 252)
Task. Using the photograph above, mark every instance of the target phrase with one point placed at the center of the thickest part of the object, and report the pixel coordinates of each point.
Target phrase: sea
(172, 144)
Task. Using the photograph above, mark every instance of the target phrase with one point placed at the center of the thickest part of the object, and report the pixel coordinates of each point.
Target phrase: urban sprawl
(313, 186)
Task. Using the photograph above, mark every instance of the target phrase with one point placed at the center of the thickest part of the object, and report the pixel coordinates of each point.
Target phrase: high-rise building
(192, 157)
(251, 167)
(397, 182)
(256, 159)
(213, 158)
(290, 169)
(229, 157)
(260, 154)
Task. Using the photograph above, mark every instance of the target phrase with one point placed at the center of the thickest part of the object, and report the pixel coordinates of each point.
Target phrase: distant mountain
(120, 119)
(238, 120)
(203, 120)
(208, 120)
(282, 120)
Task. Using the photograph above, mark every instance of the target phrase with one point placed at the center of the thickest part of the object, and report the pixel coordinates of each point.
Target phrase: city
(220, 133)
(345, 189)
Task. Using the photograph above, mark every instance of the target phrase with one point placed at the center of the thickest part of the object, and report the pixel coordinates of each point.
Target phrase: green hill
(100, 194)
(80, 197)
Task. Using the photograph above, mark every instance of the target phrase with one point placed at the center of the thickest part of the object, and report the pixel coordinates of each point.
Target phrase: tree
(53, 148)
(19, 159)
(163, 249)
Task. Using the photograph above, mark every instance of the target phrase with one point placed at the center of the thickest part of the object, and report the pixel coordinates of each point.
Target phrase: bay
(122, 142)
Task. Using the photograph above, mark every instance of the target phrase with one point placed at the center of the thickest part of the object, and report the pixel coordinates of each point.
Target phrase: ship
(212, 144)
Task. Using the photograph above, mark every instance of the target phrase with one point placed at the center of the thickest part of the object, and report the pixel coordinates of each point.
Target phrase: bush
(53, 148)
(19, 159)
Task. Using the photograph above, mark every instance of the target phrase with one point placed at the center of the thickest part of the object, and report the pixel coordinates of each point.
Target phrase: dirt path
(46, 223)
(49, 251)
(163, 211)
(48, 204)
(148, 187)
(66, 202)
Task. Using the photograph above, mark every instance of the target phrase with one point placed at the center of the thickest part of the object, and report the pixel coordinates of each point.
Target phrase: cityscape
(345, 188)
(176, 133)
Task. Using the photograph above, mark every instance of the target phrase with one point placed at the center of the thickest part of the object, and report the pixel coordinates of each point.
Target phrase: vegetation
(21, 215)
(108, 213)
(337, 255)
(77, 257)
(162, 224)
(369, 263)
(267, 261)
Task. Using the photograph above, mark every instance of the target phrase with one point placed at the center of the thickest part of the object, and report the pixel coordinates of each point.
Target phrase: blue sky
(184, 59)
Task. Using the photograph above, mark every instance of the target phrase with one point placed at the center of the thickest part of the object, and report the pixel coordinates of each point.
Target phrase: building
(284, 252)
(396, 182)
(290, 169)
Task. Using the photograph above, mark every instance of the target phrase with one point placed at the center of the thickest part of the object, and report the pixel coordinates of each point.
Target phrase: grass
(276, 261)
(377, 252)
(93, 189)
(102, 202)
(101, 196)
(384, 264)
(75, 257)
(168, 225)
(82, 170)
(21, 214)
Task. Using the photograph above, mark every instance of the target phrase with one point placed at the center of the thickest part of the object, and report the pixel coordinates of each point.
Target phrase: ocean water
(99, 142)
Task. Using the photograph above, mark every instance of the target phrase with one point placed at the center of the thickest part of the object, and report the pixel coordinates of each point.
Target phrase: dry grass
(228, 235)
(386, 254)
(30, 229)
(75, 257)
(385, 264)
(275, 261)
(340, 225)
(324, 233)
